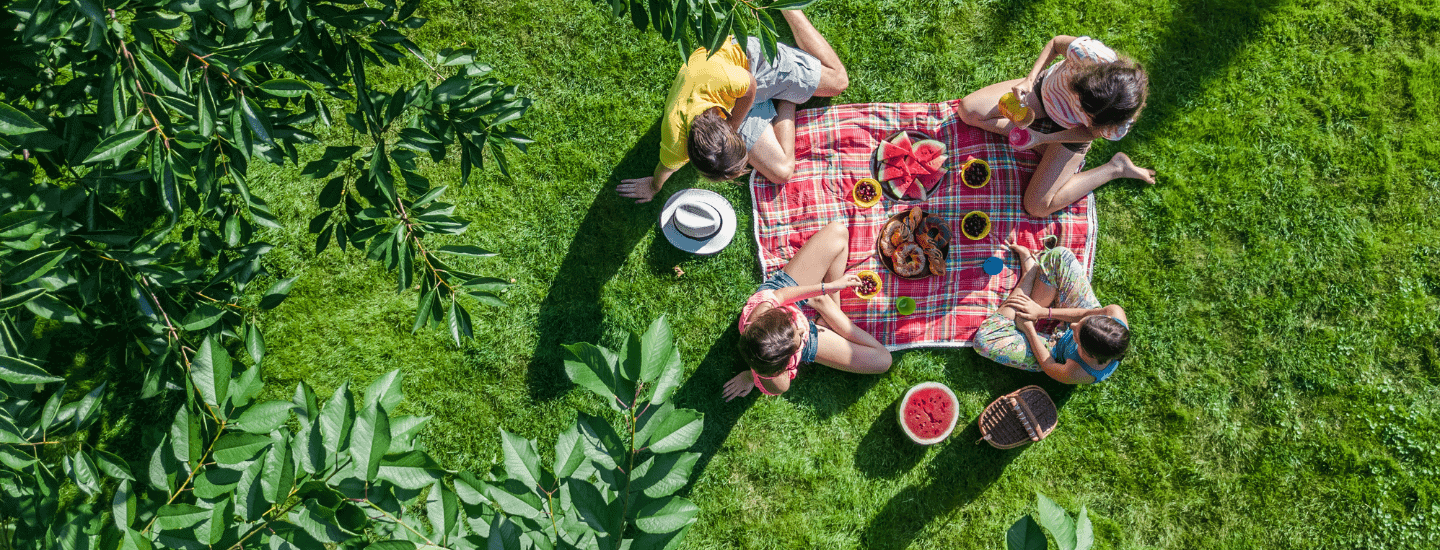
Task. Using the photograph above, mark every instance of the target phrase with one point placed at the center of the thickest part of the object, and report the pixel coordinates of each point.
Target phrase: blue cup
(993, 266)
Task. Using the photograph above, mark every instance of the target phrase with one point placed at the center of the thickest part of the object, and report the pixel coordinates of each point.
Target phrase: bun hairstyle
(1104, 337)
(768, 342)
(715, 148)
(1112, 93)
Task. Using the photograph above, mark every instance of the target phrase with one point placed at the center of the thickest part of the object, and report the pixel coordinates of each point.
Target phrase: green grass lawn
(1283, 279)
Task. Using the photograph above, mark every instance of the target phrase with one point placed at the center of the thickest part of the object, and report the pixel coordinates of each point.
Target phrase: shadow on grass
(702, 393)
(959, 475)
(1191, 54)
(571, 311)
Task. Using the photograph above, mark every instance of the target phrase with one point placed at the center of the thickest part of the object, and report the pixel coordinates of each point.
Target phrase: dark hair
(715, 148)
(1111, 93)
(768, 342)
(1104, 337)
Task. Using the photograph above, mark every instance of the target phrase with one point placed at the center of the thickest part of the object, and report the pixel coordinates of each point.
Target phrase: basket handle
(1023, 411)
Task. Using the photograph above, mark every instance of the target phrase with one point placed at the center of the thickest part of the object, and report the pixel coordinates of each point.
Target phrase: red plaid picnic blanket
(834, 147)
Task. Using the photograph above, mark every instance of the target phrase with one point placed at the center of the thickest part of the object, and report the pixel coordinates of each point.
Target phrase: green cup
(905, 305)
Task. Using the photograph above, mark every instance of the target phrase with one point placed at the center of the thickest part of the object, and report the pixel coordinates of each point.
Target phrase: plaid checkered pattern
(833, 149)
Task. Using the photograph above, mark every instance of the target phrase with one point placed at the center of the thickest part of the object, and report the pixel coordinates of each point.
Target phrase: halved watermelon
(928, 413)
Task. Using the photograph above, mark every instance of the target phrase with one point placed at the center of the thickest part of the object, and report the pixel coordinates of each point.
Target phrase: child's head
(715, 148)
(1104, 337)
(1111, 93)
(768, 342)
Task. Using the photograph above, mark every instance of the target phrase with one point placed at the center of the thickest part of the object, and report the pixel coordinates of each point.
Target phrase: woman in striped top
(1090, 93)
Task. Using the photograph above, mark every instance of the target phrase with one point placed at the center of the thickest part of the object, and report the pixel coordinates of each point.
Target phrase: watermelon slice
(927, 149)
(928, 413)
(888, 151)
(903, 141)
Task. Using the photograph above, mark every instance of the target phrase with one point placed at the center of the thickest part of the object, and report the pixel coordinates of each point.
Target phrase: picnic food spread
(910, 169)
(914, 244)
(866, 192)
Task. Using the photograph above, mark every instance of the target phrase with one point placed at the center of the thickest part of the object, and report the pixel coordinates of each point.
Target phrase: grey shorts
(792, 76)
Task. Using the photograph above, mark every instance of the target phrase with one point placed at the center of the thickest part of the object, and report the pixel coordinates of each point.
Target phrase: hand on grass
(739, 386)
(640, 189)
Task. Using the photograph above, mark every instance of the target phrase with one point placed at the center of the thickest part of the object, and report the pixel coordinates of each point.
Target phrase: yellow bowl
(967, 165)
(983, 232)
(879, 284)
(874, 185)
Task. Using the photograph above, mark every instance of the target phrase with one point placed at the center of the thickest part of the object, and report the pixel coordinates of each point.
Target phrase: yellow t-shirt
(702, 83)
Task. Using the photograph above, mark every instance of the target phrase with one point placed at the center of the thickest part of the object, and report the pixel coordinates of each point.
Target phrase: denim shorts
(778, 280)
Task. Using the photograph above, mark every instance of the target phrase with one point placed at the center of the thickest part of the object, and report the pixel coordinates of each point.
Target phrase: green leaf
(441, 506)
(657, 353)
(601, 515)
(210, 371)
(666, 515)
(49, 307)
(370, 440)
(176, 517)
(337, 418)
(468, 251)
(83, 472)
(263, 418)
(423, 311)
(593, 368)
(304, 401)
(277, 475)
(254, 342)
(287, 87)
(386, 390)
(201, 317)
(410, 470)
(182, 431)
(214, 483)
(522, 462)
(600, 442)
(161, 71)
(113, 466)
(249, 109)
(22, 223)
(515, 499)
(1025, 534)
(88, 407)
(570, 454)
(233, 448)
(789, 4)
(19, 371)
(206, 109)
(277, 293)
(664, 474)
(1084, 532)
(13, 122)
(34, 267)
(675, 431)
(122, 506)
(1054, 519)
(459, 322)
(19, 298)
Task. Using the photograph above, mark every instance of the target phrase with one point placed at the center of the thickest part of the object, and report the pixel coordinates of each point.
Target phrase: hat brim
(703, 247)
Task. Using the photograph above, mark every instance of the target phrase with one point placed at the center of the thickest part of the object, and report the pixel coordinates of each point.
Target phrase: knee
(837, 230)
(967, 113)
(842, 79)
(1038, 207)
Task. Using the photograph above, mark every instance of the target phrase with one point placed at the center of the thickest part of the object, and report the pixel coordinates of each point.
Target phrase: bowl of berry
(975, 225)
(975, 173)
(869, 284)
(866, 193)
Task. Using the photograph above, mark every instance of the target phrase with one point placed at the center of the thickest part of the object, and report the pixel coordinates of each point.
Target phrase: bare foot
(1129, 170)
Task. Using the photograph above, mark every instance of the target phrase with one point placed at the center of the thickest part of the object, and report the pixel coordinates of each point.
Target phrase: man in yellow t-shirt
(720, 114)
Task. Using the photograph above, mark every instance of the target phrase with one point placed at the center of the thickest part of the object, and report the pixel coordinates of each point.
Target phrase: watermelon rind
(902, 140)
(904, 401)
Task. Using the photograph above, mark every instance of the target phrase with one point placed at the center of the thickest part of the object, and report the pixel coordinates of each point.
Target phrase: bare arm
(1068, 372)
(1055, 47)
(742, 106)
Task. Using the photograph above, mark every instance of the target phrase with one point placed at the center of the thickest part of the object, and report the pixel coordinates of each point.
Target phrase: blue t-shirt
(1066, 349)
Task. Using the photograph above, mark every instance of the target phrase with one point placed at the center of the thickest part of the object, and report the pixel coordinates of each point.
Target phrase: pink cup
(1019, 137)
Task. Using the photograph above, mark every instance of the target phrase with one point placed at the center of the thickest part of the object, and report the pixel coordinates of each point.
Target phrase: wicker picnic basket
(1018, 417)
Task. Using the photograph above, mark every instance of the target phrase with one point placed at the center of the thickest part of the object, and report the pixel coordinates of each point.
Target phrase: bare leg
(813, 262)
(774, 153)
(981, 108)
(1029, 273)
(833, 78)
(1055, 184)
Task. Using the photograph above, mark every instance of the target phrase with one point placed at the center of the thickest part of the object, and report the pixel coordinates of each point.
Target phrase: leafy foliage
(1070, 534)
(120, 127)
(704, 23)
(232, 472)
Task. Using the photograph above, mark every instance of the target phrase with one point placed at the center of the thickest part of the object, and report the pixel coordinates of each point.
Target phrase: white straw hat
(698, 221)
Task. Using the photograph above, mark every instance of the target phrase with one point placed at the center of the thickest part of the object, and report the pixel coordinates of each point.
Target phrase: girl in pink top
(775, 337)
(1092, 92)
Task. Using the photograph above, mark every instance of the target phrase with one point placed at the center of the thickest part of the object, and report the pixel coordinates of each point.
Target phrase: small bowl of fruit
(866, 193)
(975, 173)
(975, 225)
(869, 284)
